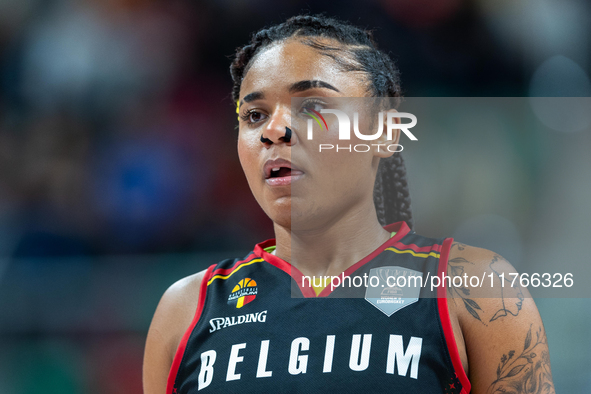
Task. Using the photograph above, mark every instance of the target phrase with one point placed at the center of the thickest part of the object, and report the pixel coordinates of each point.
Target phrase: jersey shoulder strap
(220, 271)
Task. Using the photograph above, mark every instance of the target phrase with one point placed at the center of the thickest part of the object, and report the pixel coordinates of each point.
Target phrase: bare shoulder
(173, 316)
(177, 307)
(485, 293)
(502, 329)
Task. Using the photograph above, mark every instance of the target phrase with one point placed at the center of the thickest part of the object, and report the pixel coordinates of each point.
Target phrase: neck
(334, 247)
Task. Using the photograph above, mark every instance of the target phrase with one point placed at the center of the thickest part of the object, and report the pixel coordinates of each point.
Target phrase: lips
(280, 172)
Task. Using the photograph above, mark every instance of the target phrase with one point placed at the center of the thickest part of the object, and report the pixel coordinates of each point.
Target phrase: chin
(292, 216)
(280, 212)
(282, 219)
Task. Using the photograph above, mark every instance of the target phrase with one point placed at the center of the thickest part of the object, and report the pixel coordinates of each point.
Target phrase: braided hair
(356, 51)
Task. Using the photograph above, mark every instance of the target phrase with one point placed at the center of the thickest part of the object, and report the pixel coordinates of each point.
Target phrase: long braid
(378, 195)
(394, 191)
(391, 194)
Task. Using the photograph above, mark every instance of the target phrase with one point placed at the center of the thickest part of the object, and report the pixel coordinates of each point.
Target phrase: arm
(171, 319)
(503, 333)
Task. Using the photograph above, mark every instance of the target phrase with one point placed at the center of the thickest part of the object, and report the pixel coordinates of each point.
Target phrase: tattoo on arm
(506, 308)
(458, 245)
(528, 372)
(456, 267)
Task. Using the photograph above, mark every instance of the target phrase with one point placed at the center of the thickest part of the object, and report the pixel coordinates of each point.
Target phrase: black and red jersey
(257, 329)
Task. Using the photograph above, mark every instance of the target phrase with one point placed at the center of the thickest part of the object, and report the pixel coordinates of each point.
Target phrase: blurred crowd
(117, 132)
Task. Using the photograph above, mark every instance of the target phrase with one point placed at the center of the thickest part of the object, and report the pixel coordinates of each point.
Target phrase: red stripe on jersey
(176, 362)
(401, 229)
(226, 271)
(283, 265)
(415, 248)
(448, 331)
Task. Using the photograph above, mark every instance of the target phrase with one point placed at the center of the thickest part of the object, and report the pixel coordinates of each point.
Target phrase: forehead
(281, 64)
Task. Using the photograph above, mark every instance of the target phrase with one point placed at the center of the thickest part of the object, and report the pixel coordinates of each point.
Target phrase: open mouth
(280, 172)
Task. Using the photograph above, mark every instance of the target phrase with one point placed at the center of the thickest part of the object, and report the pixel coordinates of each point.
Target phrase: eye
(253, 116)
(313, 104)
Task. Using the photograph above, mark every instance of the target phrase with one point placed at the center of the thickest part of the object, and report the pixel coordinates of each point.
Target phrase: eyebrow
(305, 85)
(299, 86)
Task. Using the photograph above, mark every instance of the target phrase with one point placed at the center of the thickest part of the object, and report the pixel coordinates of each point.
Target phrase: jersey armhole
(446, 320)
(180, 351)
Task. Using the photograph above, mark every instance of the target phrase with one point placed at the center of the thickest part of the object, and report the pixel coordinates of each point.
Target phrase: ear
(383, 147)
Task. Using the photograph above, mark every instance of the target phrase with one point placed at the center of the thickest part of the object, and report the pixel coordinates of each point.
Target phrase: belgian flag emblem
(243, 293)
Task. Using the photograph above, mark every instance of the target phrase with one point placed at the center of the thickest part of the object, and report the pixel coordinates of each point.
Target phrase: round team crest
(243, 293)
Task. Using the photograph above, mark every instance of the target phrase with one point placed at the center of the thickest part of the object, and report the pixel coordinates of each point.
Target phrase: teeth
(275, 169)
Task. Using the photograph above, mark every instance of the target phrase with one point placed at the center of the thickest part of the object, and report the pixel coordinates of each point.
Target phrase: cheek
(342, 173)
(341, 158)
(248, 154)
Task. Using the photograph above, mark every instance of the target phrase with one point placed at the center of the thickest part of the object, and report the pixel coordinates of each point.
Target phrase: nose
(277, 131)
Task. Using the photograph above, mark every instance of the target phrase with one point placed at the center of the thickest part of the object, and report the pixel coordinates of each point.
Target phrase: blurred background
(119, 175)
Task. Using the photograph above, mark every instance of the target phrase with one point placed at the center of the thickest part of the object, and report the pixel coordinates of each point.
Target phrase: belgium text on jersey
(359, 358)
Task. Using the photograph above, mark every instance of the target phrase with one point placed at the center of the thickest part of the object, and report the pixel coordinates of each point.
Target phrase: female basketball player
(237, 328)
